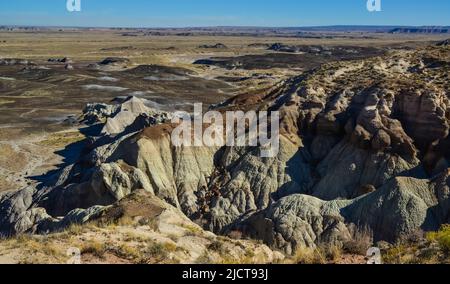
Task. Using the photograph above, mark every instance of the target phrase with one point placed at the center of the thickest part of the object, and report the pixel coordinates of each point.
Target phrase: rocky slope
(363, 144)
(139, 229)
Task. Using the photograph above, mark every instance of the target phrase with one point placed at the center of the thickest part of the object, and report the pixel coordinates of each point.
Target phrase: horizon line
(231, 26)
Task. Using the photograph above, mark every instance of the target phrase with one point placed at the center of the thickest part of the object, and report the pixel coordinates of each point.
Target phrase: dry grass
(306, 255)
(442, 238)
(135, 237)
(36, 249)
(10, 159)
(217, 246)
(5, 102)
(128, 252)
(191, 230)
(62, 139)
(204, 258)
(361, 240)
(95, 248)
(170, 247)
(156, 253)
(433, 249)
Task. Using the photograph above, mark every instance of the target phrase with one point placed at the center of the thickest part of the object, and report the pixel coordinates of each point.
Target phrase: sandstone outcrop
(363, 143)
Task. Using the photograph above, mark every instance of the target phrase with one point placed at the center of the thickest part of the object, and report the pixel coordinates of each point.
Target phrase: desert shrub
(360, 241)
(151, 222)
(306, 255)
(134, 237)
(124, 221)
(191, 230)
(157, 251)
(396, 255)
(170, 247)
(249, 253)
(428, 255)
(442, 237)
(332, 252)
(203, 258)
(415, 249)
(216, 246)
(127, 252)
(95, 248)
(74, 229)
(413, 237)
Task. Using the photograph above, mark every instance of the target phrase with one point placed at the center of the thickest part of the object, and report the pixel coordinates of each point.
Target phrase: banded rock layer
(363, 143)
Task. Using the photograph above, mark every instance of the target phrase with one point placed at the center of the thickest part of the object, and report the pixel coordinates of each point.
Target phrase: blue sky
(184, 13)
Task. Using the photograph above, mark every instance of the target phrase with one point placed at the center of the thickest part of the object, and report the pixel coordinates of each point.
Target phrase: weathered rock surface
(143, 221)
(398, 209)
(362, 142)
(298, 220)
(129, 116)
(17, 212)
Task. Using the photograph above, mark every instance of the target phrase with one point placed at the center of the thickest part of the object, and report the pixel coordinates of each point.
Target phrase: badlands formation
(364, 146)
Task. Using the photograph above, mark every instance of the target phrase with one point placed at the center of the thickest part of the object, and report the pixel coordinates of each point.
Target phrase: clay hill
(364, 144)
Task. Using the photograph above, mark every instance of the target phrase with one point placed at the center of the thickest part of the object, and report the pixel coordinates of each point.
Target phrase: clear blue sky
(183, 13)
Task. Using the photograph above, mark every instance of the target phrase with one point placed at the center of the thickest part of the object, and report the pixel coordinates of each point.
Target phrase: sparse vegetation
(204, 258)
(359, 242)
(128, 252)
(95, 248)
(156, 251)
(139, 228)
(216, 246)
(305, 255)
(170, 247)
(432, 249)
(191, 230)
(442, 238)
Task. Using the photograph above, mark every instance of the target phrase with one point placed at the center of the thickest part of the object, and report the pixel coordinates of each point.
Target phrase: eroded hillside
(364, 144)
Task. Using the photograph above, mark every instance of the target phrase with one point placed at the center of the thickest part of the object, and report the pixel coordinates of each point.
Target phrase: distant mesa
(216, 46)
(14, 61)
(159, 71)
(421, 30)
(110, 63)
(284, 48)
(60, 60)
(287, 56)
(114, 61)
(219, 62)
(260, 45)
(130, 34)
(119, 48)
(443, 43)
(318, 49)
(206, 62)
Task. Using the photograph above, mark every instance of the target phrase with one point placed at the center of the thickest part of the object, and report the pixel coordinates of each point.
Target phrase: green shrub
(442, 237)
(216, 246)
(157, 251)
